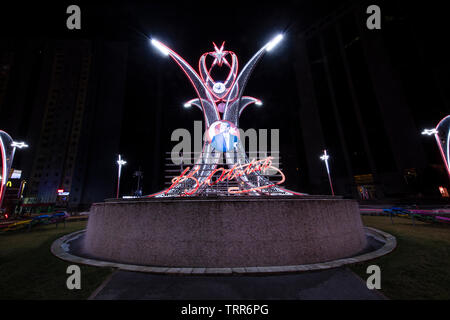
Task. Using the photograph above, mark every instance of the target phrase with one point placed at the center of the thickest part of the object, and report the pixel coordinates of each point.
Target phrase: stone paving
(318, 281)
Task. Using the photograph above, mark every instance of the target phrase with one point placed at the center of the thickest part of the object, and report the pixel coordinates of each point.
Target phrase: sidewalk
(333, 284)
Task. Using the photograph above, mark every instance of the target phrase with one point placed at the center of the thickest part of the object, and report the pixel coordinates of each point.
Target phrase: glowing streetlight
(274, 42)
(120, 163)
(19, 145)
(16, 145)
(160, 47)
(325, 158)
(429, 132)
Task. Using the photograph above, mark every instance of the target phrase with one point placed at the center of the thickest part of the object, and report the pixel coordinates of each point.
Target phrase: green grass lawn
(28, 270)
(419, 268)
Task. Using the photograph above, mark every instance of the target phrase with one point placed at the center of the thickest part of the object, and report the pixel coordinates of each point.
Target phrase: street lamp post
(139, 175)
(16, 145)
(120, 163)
(325, 158)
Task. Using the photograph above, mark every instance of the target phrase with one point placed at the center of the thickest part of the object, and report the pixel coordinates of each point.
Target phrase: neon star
(219, 55)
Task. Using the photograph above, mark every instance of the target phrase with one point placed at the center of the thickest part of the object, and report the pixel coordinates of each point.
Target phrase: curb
(60, 249)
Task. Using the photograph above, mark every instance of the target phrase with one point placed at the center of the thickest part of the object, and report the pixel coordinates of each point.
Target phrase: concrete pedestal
(228, 232)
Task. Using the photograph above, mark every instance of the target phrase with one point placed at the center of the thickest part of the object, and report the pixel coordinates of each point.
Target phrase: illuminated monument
(222, 102)
(261, 224)
(442, 135)
(8, 149)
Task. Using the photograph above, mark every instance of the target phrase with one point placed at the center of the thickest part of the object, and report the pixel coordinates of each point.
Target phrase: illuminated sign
(61, 192)
(221, 175)
(16, 174)
(443, 191)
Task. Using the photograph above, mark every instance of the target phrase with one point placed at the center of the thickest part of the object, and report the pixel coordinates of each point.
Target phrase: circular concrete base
(225, 232)
(65, 249)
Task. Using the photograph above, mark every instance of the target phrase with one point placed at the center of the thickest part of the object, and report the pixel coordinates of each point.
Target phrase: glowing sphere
(219, 87)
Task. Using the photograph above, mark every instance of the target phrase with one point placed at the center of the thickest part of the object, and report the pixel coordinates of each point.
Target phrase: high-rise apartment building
(75, 122)
(359, 91)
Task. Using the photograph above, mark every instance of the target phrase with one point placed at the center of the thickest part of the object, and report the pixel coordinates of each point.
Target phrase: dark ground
(334, 284)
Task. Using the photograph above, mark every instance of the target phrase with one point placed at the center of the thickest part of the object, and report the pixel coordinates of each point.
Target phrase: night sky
(189, 28)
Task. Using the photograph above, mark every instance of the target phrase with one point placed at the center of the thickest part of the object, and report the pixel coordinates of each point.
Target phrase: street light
(16, 145)
(429, 132)
(161, 47)
(325, 158)
(19, 145)
(120, 163)
(139, 175)
(272, 43)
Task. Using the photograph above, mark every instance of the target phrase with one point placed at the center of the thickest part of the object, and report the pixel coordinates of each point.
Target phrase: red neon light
(4, 170)
(441, 150)
(205, 72)
(227, 174)
(187, 67)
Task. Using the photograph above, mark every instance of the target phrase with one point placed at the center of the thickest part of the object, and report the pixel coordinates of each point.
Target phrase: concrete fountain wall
(242, 232)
